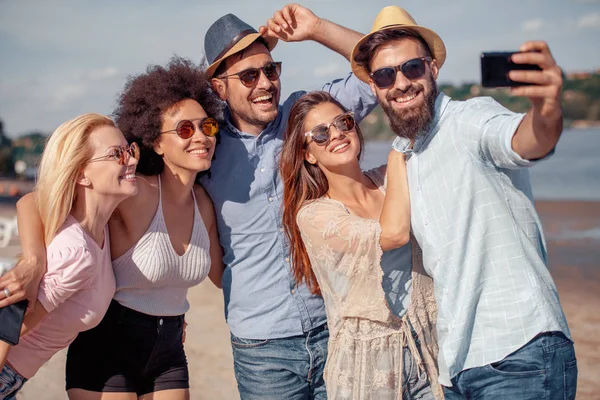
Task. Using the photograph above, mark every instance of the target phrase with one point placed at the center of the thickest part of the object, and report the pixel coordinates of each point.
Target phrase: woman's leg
(173, 394)
(81, 394)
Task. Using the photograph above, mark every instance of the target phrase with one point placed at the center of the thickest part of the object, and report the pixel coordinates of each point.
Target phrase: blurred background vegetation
(581, 105)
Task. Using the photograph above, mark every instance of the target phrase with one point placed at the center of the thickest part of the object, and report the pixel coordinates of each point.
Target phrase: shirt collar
(236, 132)
(403, 144)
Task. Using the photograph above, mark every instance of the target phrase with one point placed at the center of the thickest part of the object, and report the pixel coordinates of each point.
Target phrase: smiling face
(193, 154)
(342, 147)
(105, 175)
(252, 108)
(409, 104)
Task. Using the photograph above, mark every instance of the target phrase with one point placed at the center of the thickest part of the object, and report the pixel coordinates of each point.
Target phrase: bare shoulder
(146, 197)
(205, 205)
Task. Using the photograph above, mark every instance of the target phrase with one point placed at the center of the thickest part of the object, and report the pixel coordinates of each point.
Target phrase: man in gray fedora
(278, 329)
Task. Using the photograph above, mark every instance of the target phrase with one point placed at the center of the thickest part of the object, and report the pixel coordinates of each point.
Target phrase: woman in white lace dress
(348, 231)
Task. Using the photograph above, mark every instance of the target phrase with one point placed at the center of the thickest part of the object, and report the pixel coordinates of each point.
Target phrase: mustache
(414, 88)
(263, 92)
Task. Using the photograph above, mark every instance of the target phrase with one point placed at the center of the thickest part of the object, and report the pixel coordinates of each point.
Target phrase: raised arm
(395, 214)
(542, 126)
(24, 279)
(295, 23)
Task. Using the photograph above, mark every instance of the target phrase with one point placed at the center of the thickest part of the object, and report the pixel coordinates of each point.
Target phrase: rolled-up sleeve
(69, 270)
(498, 126)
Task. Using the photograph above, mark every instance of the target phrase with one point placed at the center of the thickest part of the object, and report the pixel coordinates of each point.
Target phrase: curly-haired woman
(164, 240)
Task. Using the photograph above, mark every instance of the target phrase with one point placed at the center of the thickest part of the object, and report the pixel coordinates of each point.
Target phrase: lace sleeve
(345, 254)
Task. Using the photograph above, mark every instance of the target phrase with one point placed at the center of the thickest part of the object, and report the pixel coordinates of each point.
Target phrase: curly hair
(147, 96)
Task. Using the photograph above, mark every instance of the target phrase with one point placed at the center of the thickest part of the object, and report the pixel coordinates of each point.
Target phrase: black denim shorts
(129, 351)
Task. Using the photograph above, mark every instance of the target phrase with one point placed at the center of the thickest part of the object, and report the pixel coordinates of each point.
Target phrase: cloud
(532, 25)
(327, 70)
(589, 21)
(67, 94)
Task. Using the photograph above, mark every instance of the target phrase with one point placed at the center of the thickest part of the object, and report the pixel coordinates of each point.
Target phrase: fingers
(14, 290)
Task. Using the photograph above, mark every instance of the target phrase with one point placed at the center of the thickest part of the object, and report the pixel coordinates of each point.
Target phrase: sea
(572, 173)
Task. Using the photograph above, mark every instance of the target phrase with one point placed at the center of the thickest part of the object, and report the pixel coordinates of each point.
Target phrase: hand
(546, 89)
(23, 282)
(185, 324)
(293, 23)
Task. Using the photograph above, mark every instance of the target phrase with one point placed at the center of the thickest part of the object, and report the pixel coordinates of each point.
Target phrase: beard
(412, 122)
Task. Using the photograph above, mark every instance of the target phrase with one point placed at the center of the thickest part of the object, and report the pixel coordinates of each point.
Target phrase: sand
(574, 258)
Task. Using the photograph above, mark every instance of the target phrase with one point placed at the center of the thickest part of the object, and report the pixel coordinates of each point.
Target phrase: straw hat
(227, 36)
(393, 17)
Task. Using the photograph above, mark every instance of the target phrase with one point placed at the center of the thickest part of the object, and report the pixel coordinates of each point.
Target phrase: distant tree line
(581, 101)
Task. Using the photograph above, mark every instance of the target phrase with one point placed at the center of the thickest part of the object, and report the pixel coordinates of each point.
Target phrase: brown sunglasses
(121, 154)
(185, 129)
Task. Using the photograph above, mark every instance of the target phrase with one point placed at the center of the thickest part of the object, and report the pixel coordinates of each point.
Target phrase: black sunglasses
(185, 129)
(250, 76)
(412, 69)
(343, 123)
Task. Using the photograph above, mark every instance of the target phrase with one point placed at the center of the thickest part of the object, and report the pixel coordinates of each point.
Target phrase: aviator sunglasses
(343, 123)
(121, 154)
(250, 76)
(412, 69)
(185, 129)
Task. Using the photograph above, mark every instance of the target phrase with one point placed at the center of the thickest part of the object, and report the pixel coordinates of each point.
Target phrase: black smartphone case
(11, 319)
(495, 67)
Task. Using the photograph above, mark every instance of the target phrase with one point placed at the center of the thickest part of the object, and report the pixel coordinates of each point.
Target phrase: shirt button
(160, 322)
(292, 291)
(426, 222)
(270, 199)
(262, 170)
(418, 188)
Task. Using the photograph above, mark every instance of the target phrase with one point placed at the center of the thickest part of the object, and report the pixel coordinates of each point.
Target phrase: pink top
(76, 291)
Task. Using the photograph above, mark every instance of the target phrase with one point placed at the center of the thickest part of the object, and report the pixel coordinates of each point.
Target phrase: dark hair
(367, 49)
(302, 181)
(147, 96)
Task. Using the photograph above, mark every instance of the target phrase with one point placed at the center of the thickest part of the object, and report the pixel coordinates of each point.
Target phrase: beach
(571, 229)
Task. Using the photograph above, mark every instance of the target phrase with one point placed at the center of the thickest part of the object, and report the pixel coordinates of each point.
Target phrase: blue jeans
(543, 369)
(289, 368)
(10, 383)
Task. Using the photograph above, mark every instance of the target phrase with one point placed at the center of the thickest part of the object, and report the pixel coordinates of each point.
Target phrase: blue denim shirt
(473, 215)
(262, 300)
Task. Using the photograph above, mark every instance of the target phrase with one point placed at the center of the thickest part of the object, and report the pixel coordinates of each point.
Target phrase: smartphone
(495, 67)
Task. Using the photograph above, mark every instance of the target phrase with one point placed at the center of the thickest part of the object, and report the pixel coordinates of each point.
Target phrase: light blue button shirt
(261, 299)
(473, 216)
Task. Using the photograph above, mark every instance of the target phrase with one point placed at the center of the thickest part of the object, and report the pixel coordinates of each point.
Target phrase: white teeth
(262, 98)
(405, 98)
(129, 176)
(339, 147)
(200, 151)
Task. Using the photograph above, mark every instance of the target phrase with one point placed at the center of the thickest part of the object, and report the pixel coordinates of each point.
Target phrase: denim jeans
(543, 369)
(10, 383)
(415, 382)
(289, 368)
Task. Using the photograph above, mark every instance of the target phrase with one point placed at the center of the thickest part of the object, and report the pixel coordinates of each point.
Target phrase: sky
(63, 58)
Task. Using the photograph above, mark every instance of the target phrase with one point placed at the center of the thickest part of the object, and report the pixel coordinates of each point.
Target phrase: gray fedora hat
(227, 36)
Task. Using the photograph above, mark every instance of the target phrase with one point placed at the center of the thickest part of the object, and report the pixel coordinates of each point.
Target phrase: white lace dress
(366, 338)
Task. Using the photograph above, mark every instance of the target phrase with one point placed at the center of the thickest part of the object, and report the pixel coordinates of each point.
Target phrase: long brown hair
(302, 182)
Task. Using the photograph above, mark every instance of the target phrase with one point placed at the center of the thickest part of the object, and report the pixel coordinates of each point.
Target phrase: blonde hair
(67, 151)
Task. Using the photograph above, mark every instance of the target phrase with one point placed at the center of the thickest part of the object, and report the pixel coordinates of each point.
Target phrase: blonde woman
(86, 170)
